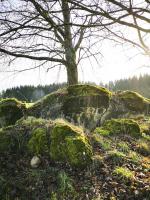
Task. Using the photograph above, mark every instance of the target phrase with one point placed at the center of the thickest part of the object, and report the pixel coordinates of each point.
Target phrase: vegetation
(111, 162)
(119, 126)
(70, 145)
(124, 173)
(34, 93)
(38, 144)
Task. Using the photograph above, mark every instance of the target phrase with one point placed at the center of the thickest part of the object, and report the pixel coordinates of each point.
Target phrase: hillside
(80, 142)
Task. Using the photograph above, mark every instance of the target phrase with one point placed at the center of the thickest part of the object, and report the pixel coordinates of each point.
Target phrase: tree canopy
(63, 32)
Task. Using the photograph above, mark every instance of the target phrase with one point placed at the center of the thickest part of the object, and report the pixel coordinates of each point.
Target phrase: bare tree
(64, 31)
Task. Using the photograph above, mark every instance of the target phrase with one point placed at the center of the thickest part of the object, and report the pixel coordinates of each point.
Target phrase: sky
(116, 63)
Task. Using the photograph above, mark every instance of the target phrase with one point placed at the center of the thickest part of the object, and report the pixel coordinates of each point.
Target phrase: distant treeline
(139, 84)
(31, 93)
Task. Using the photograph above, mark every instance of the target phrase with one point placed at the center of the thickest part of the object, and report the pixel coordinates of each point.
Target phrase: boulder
(58, 140)
(126, 104)
(69, 144)
(80, 104)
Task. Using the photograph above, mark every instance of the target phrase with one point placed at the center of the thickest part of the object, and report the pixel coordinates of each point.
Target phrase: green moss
(134, 101)
(69, 144)
(87, 90)
(102, 131)
(119, 126)
(38, 144)
(10, 111)
(124, 173)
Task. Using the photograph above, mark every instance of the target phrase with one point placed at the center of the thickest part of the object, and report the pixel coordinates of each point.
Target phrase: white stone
(35, 162)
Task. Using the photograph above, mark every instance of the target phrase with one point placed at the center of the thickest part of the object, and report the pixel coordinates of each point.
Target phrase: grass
(102, 142)
(116, 156)
(123, 146)
(123, 173)
(134, 157)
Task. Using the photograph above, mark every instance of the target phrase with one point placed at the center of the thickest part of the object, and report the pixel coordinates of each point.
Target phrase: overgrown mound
(45, 159)
(85, 105)
(81, 104)
(10, 111)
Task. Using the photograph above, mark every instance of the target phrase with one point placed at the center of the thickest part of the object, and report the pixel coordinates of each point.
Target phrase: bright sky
(116, 64)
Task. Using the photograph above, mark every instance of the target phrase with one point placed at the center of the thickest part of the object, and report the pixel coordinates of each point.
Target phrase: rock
(69, 144)
(124, 104)
(35, 162)
(63, 141)
(10, 111)
(90, 106)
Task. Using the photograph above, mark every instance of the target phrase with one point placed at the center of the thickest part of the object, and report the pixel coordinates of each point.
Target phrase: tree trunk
(70, 54)
(72, 74)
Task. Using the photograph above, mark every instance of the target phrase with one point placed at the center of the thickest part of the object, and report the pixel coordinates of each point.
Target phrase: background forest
(30, 93)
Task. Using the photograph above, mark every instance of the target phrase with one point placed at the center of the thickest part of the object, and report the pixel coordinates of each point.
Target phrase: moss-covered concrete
(89, 106)
(69, 144)
(49, 106)
(81, 104)
(10, 111)
(119, 126)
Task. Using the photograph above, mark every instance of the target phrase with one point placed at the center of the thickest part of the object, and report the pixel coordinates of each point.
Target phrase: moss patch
(87, 90)
(38, 144)
(69, 144)
(10, 111)
(119, 126)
